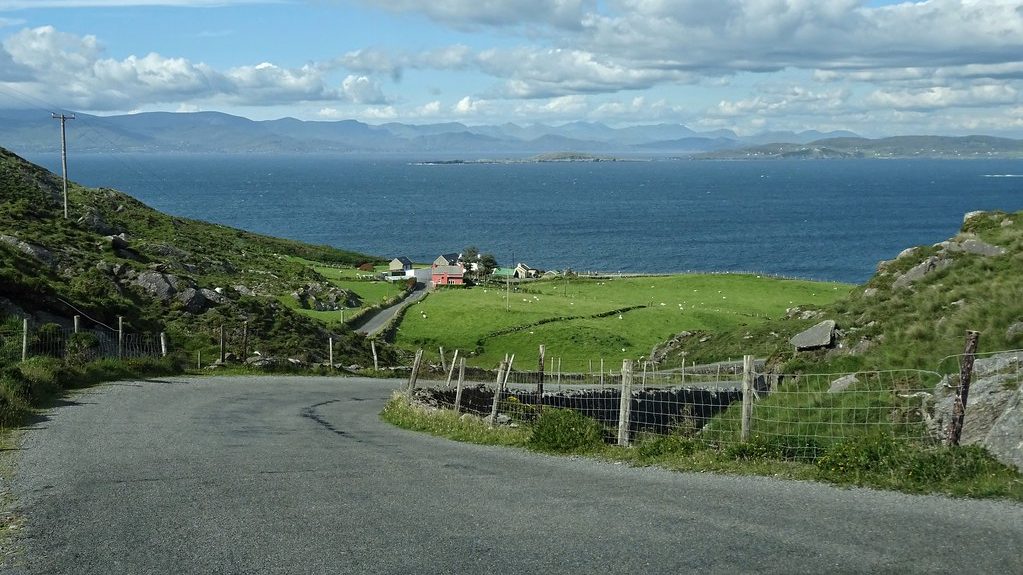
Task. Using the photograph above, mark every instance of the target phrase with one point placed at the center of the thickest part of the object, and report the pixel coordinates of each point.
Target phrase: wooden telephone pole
(63, 150)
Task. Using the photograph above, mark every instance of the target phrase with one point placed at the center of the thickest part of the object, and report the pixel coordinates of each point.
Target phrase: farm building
(447, 270)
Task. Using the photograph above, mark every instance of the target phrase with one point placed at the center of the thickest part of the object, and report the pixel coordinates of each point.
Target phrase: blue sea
(817, 219)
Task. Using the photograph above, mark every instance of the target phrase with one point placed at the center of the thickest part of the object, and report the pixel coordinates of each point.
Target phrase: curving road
(379, 320)
(298, 475)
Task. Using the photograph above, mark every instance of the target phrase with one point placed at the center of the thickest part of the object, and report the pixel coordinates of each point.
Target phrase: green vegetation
(877, 460)
(913, 327)
(114, 256)
(615, 318)
(38, 381)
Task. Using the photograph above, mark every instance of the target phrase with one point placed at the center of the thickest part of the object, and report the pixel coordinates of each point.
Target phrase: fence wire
(796, 416)
(52, 340)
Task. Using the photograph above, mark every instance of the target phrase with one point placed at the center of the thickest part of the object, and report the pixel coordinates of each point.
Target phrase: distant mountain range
(32, 131)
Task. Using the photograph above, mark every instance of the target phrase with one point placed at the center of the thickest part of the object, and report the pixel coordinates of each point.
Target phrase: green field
(370, 291)
(493, 321)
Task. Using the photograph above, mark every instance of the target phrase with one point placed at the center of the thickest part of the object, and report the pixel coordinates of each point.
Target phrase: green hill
(911, 314)
(114, 256)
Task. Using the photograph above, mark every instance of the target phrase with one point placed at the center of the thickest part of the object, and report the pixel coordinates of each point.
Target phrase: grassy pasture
(370, 291)
(572, 318)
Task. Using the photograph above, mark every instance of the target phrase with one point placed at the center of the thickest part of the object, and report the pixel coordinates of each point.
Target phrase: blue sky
(878, 68)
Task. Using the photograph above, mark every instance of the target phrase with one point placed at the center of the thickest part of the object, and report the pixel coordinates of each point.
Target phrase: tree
(487, 264)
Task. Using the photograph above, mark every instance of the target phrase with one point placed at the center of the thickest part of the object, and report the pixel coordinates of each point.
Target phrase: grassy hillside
(116, 256)
(588, 319)
(889, 323)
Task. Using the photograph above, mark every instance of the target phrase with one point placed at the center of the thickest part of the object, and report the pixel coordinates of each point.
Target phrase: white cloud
(428, 110)
(71, 71)
(380, 113)
(470, 14)
(945, 97)
(362, 90)
(466, 106)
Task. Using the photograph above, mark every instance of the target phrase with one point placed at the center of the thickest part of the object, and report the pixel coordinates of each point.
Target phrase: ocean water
(830, 220)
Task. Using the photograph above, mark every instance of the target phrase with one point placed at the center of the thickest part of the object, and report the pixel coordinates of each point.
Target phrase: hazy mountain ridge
(216, 132)
(31, 131)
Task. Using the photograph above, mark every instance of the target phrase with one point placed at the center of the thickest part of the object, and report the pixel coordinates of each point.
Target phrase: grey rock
(919, 271)
(870, 292)
(906, 253)
(213, 296)
(193, 300)
(321, 297)
(92, 220)
(976, 247)
(38, 252)
(244, 290)
(970, 215)
(118, 242)
(841, 384)
(161, 286)
(994, 411)
(1014, 330)
(818, 336)
(1007, 223)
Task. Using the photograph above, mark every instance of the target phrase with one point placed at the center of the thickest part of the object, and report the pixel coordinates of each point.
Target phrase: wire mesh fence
(797, 416)
(83, 345)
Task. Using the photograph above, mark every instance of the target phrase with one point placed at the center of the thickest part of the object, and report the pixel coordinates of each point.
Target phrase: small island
(538, 159)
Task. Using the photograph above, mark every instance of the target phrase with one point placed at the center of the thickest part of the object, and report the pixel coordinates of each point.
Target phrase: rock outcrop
(818, 336)
(994, 409)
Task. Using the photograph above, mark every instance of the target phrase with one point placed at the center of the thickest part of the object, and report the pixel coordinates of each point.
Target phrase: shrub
(41, 377)
(82, 347)
(561, 430)
(665, 445)
(859, 455)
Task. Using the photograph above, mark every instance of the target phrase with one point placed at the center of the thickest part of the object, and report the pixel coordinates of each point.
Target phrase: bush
(865, 454)
(41, 377)
(665, 445)
(561, 430)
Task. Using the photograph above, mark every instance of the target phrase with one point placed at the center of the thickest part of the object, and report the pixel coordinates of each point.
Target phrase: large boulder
(159, 285)
(994, 409)
(818, 336)
(919, 271)
(975, 247)
(321, 297)
(38, 252)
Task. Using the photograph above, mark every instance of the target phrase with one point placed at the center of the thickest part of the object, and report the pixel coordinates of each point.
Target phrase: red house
(447, 271)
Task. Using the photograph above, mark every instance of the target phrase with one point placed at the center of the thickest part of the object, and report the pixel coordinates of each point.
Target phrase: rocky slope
(114, 256)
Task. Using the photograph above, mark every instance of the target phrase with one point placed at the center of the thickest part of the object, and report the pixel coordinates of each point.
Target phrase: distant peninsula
(899, 147)
(538, 159)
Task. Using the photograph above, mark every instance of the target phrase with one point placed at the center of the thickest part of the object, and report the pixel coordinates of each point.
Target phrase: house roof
(502, 272)
(452, 259)
(449, 270)
(403, 261)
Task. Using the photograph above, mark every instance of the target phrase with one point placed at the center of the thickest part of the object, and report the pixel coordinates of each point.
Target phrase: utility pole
(63, 150)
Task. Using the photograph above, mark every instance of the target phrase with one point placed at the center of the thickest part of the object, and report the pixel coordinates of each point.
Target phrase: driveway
(299, 475)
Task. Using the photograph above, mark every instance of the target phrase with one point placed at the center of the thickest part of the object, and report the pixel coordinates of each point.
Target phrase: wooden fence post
(245, 340)
(78, 321)
(223, 350)
(747, 396)
(330, 352)
(443, 364)
(163, 344)
(376, 364)
(955, 428)
(625, 404)
(451, 372)
(198, 359)
(458, 389)
(24, 339)
(415, 373)
(601, 372)
(539, 383)
(497, 393)
(120, 336)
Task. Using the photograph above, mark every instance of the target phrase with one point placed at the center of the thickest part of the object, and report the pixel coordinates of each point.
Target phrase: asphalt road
(298, 475)
(376, 323)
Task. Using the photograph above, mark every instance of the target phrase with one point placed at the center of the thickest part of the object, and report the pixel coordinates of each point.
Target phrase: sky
(878, 68)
